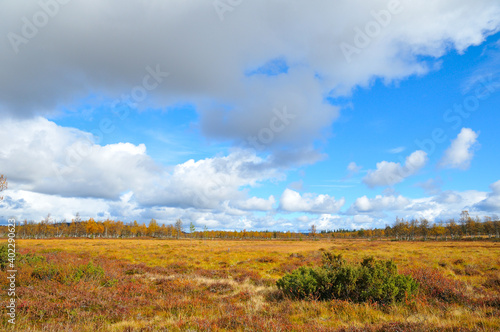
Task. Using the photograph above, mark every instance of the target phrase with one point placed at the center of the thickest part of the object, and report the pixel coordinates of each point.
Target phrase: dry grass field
(215, 285)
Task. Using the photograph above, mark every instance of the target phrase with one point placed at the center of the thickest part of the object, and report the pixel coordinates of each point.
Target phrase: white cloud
(297, 185)
(379, 203)
(363, 220)
(443, 206)
(326, 222)
(389, 173)
(303, 219)
(353, 168)
(461, 150)
(35, 206)
(365, 212)
(256, 204)
(29, 205)
(39, 156)
(492, 202)
(207, 61)
(208, 182)
(397, 150)
(292, 201)
(334, 222)
(431, 186)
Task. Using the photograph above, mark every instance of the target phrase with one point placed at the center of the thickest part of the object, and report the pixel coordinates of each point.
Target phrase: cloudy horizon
(250, 114)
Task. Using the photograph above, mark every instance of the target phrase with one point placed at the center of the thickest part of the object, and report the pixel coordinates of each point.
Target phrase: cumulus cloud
(207, 182)
(292, 201)
(443, 206)
(102, 48)
(389, 173)
(256, 204)
(353, 169)
(461, 150)
(379, 203)
(326, 222)
(29, 205)
(335, 222)
(431, 186)
(492, 201)
(35, 206)
(449, 197)
(107, 50)
(39, 156)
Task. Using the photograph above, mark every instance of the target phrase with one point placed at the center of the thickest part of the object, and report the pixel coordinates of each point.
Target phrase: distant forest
(466, 227)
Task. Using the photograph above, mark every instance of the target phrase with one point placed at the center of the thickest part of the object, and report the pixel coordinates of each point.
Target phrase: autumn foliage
(212, 285)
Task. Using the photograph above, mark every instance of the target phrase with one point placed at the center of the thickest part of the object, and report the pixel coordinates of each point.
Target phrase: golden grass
(212, 254)
(216, 285)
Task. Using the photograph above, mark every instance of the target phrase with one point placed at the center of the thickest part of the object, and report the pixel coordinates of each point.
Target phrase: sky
(257, 115)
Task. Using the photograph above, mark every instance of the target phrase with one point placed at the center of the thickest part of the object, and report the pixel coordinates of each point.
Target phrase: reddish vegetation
(61, 288)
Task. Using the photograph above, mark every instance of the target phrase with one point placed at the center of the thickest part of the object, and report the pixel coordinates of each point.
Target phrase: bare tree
(464, 221)
(178, 227)
(496, 225)
(3, 185)
(312, 230)
(424, 228)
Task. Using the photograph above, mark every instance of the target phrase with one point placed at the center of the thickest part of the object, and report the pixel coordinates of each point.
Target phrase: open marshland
(217, 285)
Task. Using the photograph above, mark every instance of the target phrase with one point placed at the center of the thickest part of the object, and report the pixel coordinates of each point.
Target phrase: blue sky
(253, 121)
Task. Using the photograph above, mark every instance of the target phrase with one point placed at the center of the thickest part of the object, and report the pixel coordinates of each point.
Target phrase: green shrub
(68, 275)
(88, 272)
(300, 284)
(372, 280)
(30, 259)
(46, 272)
(332, 261)
(4, 259)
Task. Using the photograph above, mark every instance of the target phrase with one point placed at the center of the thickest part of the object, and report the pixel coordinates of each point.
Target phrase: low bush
(4, 259)
(88, 272)
(28, 258)
(31, 259)
(493, 282)
(47, 272)
(435, 285)
(68, 275)
(372, 280)
(220, 288)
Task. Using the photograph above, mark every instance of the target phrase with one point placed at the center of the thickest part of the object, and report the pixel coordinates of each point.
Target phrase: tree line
(48, 228)
(466, 227)
(413, 229)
